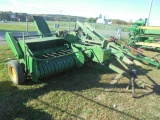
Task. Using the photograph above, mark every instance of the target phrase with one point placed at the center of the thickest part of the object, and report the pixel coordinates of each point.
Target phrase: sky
(113, 9)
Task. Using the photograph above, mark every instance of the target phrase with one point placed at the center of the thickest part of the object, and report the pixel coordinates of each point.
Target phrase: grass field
(21, 26)
(76, 94)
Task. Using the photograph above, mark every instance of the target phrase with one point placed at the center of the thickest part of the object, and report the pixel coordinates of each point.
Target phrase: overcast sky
(112, 9)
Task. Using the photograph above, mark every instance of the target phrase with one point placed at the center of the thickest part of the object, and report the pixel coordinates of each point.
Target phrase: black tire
(16, 72)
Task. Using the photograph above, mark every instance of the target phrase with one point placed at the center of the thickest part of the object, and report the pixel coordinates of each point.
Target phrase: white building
(103, 20)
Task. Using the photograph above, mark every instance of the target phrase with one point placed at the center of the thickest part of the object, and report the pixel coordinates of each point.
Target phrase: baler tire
(15, 71)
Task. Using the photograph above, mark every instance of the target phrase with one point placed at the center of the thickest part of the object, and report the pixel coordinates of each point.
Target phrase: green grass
(16, 26)
(83, 93)
(21, 26)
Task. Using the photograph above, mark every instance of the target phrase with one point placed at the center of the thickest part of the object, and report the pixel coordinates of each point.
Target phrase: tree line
(22, 17)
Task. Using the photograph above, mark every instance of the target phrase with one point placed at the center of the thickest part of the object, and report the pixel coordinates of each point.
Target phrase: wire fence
(25, 25)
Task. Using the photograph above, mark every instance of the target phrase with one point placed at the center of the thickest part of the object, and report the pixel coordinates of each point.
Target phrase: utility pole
(149, 12)
(60, 16)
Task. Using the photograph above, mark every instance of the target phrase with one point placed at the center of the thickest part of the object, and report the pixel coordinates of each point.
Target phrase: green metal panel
(42, 26)
(95, 53)
(46, 39)
(14, 45)
(71, 37)
(101, 55)
(118, 52)
(95, 31)
(78, 57)
(87, 31)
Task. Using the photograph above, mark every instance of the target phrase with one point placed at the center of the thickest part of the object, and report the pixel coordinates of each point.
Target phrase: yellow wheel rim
(12, 73)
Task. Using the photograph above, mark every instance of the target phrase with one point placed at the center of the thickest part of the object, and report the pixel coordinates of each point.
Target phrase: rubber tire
(18, 71)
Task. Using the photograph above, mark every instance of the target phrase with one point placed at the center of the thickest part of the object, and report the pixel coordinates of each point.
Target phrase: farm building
(103, 20)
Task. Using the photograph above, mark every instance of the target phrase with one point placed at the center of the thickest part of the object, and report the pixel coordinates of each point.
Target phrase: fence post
(27, 24)
(119, 33)
(110, 30)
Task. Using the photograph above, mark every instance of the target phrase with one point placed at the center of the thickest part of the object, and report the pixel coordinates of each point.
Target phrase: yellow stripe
(149, 28)
(149, 44)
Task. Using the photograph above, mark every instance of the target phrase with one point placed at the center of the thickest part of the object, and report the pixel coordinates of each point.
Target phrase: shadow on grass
(14, 103)
(156, 88)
